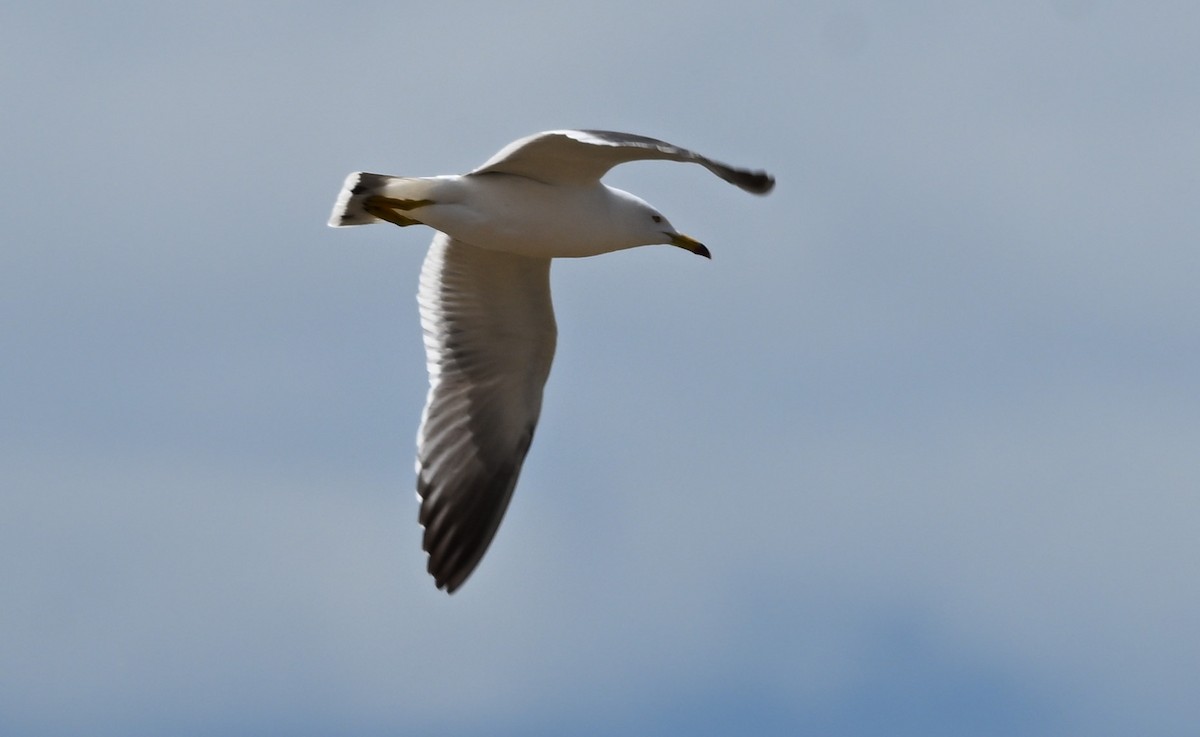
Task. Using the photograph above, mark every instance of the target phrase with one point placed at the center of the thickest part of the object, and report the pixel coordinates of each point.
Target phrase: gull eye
(656, 218)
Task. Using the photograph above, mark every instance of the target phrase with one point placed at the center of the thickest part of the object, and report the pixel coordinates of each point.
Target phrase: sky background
(915, 454)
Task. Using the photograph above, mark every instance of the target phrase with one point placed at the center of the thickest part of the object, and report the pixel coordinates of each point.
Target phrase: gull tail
(349, 210)
(371, 198)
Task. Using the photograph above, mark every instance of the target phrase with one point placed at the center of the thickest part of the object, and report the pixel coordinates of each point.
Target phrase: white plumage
(485, 305)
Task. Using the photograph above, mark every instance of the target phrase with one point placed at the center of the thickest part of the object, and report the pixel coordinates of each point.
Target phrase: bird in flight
(484, 298)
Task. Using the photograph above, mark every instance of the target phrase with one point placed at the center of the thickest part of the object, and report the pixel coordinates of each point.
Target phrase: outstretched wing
(489, 341)
(580, 157)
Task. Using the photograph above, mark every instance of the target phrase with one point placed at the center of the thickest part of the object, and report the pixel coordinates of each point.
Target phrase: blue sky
(915, 454)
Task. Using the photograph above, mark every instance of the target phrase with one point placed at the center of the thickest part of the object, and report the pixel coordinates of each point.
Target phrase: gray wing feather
(583, 156)
(489, 340)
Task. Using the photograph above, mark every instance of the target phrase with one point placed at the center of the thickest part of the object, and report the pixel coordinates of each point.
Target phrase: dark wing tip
(454, 546)
(760, 182)
(460, 526)
(755, 182)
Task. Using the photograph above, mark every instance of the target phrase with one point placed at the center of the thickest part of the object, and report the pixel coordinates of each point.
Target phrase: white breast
(514, 214)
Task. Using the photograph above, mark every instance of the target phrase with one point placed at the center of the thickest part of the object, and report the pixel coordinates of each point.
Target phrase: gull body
(486, 313)
(508, 213)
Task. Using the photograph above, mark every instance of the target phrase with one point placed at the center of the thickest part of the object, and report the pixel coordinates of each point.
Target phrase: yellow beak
(689, 244)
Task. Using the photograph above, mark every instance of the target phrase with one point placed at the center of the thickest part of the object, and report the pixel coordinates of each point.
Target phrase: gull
(484, 299)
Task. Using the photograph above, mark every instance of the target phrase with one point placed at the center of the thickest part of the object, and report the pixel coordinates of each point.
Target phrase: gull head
(646, 226)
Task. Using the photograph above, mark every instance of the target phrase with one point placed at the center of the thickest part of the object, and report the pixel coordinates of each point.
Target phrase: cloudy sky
(915, 454)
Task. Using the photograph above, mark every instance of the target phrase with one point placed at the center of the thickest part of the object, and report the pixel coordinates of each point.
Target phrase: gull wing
(583, 156)
(489, 341)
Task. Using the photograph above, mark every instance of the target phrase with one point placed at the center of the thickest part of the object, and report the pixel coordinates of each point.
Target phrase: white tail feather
(348, 210)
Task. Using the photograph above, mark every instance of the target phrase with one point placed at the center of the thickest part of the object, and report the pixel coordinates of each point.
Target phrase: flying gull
(485, 306)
